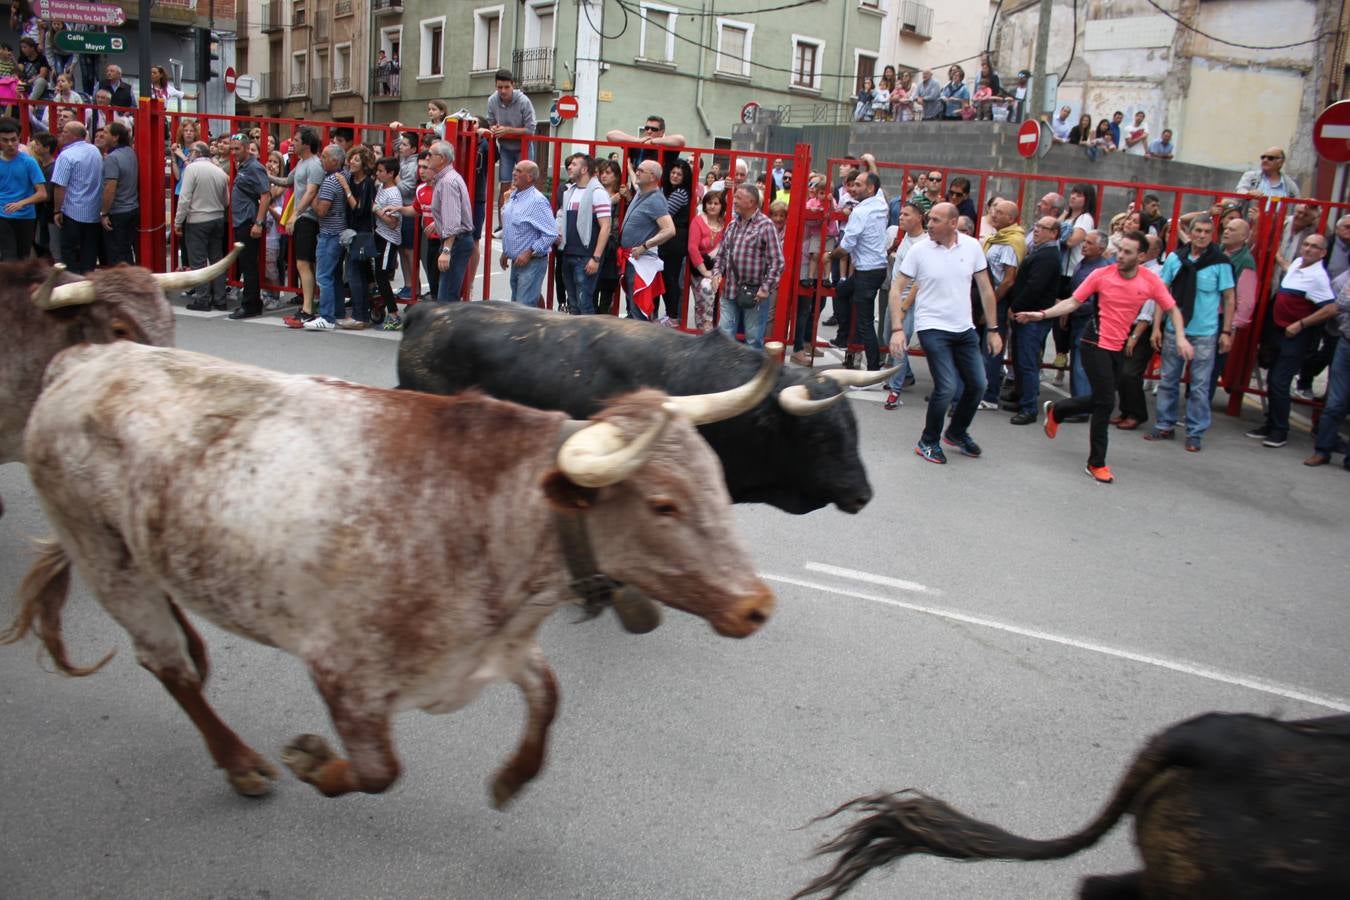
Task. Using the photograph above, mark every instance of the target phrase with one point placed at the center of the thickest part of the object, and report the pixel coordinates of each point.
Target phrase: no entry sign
(1331, 133)
(1029, 138)
(568, 107)
(230, 80)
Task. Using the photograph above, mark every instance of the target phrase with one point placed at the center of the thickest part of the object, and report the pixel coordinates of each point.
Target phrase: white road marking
(1289, 692)
(886, 580)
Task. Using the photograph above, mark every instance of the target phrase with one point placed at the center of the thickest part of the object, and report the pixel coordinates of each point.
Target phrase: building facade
(934, 34)
(1225, 102)
(626, 59)
(311, 58)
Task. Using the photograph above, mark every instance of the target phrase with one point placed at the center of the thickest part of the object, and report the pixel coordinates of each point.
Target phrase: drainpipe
(702, 50)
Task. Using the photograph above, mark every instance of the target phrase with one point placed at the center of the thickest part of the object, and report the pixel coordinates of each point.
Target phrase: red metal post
(785, 311)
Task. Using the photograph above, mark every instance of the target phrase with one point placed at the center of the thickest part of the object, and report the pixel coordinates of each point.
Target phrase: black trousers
(251, 299)
(79, 244)
(16, 238)
(855, 305)
(1103, 369)
(1133, 401)
(120, 242)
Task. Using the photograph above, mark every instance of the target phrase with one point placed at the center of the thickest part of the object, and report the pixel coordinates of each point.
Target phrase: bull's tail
(42, 595)
(896, 825)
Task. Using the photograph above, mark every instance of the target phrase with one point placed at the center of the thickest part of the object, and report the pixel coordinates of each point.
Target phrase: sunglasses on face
(1268, 158)
(957, 193)
(650, 128)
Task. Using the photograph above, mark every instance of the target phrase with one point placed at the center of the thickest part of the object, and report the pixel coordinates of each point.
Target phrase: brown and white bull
(47, 309)
(167, 475)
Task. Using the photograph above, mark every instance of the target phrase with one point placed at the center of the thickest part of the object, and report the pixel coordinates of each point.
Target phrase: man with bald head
(945, 266)
(1233, 241)
(78, 198)
(529, 231)
(1269, 180)
(1004, 251)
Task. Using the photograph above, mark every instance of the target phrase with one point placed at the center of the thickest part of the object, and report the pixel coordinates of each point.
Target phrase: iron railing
(342, 85)
(298, 17)
(916, 19)
(342, 8)
(533, 68)
(388, 7)
(384, 83)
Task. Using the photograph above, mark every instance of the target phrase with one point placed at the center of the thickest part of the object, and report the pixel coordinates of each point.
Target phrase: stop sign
(568, 106)
(230, 79)
(1331, 133)
(1029, 138)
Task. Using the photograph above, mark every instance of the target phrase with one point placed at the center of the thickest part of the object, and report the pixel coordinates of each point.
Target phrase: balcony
(298, 17)
(298, 88)
(342, 8)
(533, 68)
(388, 7)
(321, 29)
(273, 17)
(319, 94)
(342, 85)
(383, 84)
(916, 20)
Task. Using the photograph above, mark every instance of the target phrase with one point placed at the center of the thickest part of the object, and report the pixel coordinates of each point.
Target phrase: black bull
(1226, 807)
(797, 463)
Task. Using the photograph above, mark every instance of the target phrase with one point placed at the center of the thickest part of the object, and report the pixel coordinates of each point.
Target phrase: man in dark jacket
(119, 89)
(1036, 287)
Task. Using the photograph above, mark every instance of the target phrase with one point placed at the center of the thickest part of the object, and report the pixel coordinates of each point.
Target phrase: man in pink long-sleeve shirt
(453, 214)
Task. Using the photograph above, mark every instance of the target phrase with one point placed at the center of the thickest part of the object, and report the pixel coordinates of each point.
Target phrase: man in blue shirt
(528, 234)
(1201, 280)
(22, 187)
(1162, 148)
(864, 241)
(78, 178)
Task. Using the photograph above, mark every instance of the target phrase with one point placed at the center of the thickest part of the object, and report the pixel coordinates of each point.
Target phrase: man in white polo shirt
(944, 266)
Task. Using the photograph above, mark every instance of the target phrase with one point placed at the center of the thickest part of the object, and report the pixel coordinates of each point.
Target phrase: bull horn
(599, 455)
(704, 409)
(797, 401)
(849, 378)
(50, 295)
(179, 281)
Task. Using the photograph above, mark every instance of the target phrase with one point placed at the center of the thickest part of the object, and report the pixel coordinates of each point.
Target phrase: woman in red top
(1121, 292)
(705, 234)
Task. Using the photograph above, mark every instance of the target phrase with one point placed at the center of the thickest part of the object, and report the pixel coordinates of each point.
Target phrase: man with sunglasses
(1270, 180)
(958, 194)
(655, 140)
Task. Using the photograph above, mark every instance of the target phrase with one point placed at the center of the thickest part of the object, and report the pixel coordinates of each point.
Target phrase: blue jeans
(1338, 399)
(1292, 350)
(897, 381)
(527, 281)
(952, 355)
(1030, 350)
(358, 287)
(327, 259)
(451, 281)
(752, 322)
(1078, 380)
(580, 286)
(1198, 414)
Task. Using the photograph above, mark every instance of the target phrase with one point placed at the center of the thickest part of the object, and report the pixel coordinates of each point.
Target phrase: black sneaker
(1024, 418)
(931, 452)
(1275, 440)
(1259, 433)
(965, 444)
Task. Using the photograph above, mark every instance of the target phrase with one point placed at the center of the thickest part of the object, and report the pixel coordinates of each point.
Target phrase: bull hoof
(254, 780)
(306, 755)
(637, 612)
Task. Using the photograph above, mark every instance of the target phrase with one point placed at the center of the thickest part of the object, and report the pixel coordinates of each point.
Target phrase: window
(807, 54)
(487, 38)
(299, 74)
(539, 19)
(390, 39)
(432, 62)
(657, 40)
(733, 47)
(342, 67)
(866, 68)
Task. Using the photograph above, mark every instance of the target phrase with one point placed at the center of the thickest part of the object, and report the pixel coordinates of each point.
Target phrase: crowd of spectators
(915, 96)
(1111, 135)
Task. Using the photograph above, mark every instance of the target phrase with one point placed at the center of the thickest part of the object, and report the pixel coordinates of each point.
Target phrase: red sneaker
(893, 400)
(1100, 474)
(1051, 426)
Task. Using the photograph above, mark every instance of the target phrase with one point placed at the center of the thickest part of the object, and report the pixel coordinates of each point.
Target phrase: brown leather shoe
(1127, 424)
(1317, 459)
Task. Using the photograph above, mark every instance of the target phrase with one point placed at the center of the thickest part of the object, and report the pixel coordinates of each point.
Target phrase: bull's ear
(565, 494)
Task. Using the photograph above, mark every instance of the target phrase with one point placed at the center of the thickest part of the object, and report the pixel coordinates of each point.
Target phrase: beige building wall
(959, 31)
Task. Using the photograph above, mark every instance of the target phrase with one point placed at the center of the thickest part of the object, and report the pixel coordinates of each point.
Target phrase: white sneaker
(318, 323)
(988, 404)
(273, 301)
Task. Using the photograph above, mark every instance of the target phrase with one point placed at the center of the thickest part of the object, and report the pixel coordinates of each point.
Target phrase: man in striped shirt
(78, 178)
(528, 234)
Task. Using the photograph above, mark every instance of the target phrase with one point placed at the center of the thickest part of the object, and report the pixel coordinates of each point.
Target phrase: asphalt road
(1002, 632)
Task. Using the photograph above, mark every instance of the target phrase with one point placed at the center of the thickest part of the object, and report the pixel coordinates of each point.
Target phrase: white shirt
(1312, 281)
(1137, 149)
(1075, 254)
(944, 275)
(864, 234)
(1061, 128)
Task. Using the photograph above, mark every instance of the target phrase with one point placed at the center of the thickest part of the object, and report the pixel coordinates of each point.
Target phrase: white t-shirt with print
(944, 275)
(1075, 254)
